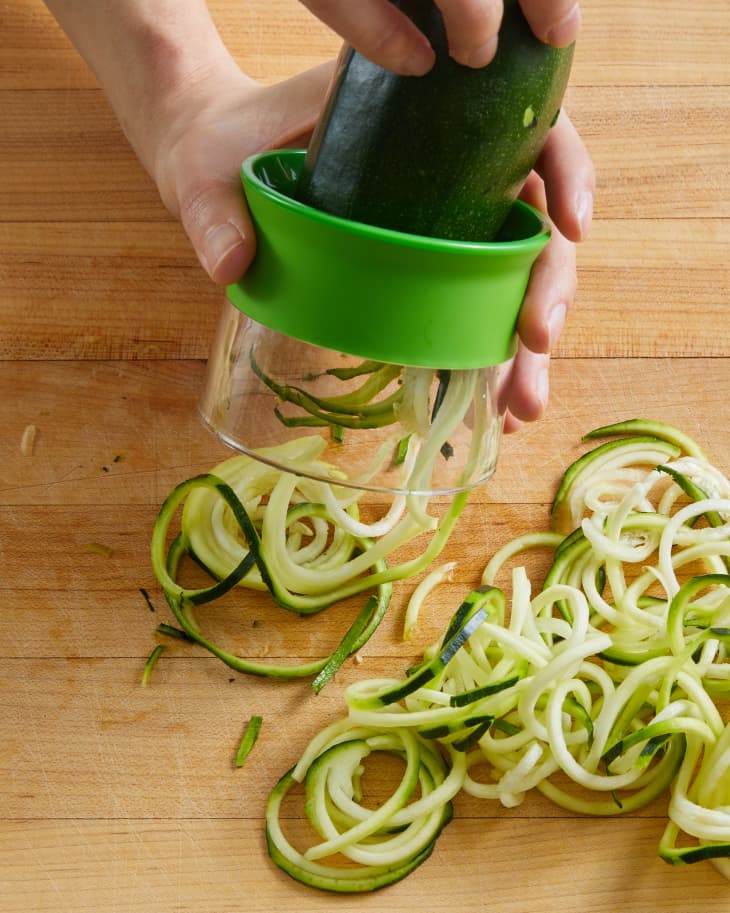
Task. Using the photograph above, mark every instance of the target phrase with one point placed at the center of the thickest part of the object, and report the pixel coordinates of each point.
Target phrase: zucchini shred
(603, 688)
(297, 539)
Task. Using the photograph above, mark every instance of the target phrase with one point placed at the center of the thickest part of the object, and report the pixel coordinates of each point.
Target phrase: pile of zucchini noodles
(602, 688)
(249, 523)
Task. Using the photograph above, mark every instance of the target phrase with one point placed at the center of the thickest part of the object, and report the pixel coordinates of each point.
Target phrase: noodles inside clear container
(373, 425)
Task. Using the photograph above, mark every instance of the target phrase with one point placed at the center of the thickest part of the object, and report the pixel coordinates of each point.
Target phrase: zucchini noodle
(418, 597)
(298, 532)
(383, 845)
(602, 689)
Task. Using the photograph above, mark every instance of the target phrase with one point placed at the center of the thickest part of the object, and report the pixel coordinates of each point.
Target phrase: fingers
(556, 22)
(570, 181)
(205, 195)
(389, 38)
(379, 31)
(472, 27)
(197, 169)
(216, 220)
(562, 185)
(549, 295)
(527, 393)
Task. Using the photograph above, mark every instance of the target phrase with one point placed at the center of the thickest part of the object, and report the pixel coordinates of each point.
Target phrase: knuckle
(473, 20)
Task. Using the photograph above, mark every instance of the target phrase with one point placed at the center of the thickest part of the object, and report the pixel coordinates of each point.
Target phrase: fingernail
(480, 56)
(419, 61)
(566, 31)
(584, 211)
(556, 322)
(219, 241)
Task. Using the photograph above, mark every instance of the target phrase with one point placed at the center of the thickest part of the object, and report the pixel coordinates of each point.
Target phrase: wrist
(150, 57)
(176, 67)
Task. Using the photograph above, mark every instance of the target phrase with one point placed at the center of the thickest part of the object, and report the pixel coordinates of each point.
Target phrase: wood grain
(197, 865)
(126, 799)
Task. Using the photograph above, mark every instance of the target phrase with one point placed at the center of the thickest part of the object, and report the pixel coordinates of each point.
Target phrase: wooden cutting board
(127, 800)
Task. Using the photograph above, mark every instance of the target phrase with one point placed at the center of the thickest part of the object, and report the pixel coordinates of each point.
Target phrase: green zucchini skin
(442, 155)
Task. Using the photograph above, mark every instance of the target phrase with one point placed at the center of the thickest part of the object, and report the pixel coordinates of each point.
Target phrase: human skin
(379, 31)
(192, 116)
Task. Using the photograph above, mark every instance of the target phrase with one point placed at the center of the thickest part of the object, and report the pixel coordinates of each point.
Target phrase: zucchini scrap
(602, 687)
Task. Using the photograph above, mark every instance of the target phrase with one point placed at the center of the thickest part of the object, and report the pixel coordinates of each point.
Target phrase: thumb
(214, 216)
(197, 171)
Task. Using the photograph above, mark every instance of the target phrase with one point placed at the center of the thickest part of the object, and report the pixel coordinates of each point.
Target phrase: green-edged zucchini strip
(601, 690)
(697, 494)
(173, 590)
(182, 600)
(467, 619)
(151, 663)
(352, 410)
(381, 844)
(309, 589)
(700, 803)
(359, 633)
(611, 457)
(660, 430)
(647, 790)
(368, 366)
(249, 739)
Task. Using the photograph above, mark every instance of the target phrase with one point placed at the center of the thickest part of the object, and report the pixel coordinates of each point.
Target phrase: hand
(189, 112)
(196, 162)
(192, 116)
(562, 184)
(196, 166)
(388, 37)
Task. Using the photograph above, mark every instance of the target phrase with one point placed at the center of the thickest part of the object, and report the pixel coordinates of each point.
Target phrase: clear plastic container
(427, 324)
(386, 427)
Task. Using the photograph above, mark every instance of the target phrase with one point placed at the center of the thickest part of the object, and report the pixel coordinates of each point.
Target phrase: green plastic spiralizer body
(377, 293)
(369, 337)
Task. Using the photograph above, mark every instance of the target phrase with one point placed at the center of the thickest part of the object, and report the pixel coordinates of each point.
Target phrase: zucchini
(601, 702)
(250, 736)
(643, 426)
(608, 458)
(469, 616)
(445, 154)
(378, 845)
